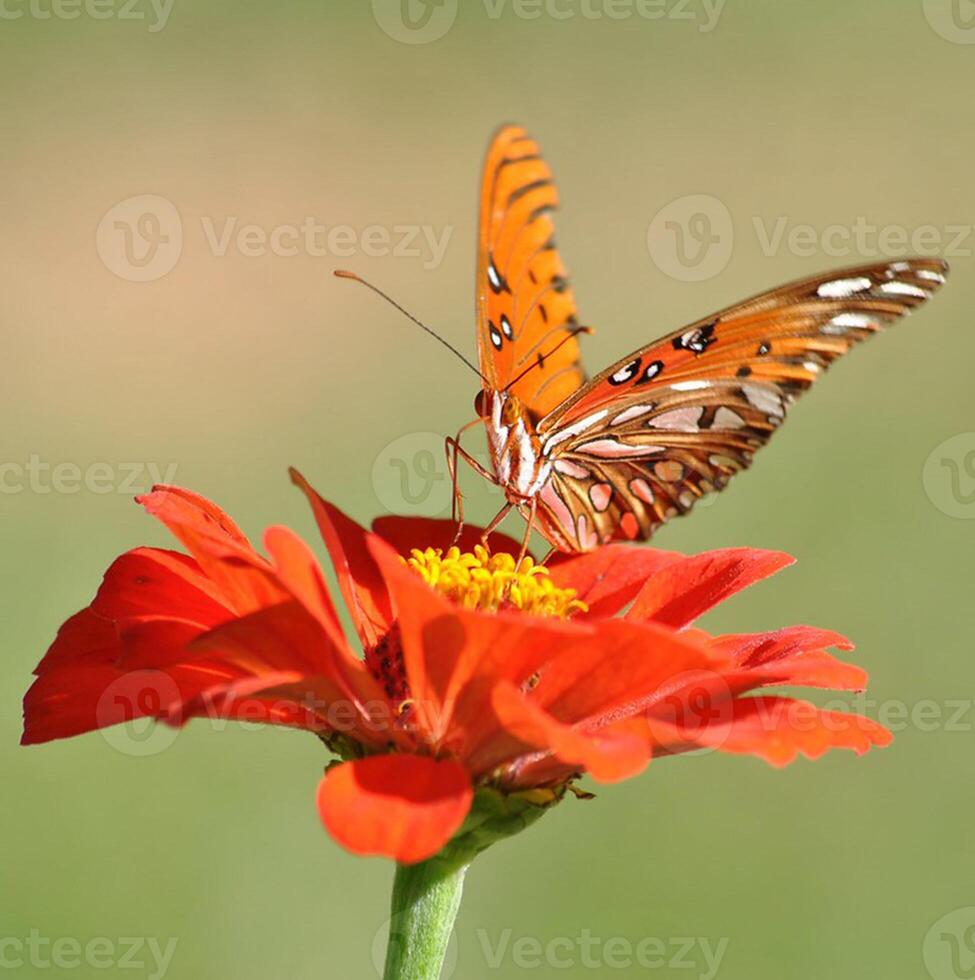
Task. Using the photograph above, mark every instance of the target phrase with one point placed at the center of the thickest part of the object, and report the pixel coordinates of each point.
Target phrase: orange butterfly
(592, 461)
(587, 462)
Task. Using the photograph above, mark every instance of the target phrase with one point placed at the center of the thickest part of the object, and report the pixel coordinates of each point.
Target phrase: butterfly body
(612, 458)
(515, 448)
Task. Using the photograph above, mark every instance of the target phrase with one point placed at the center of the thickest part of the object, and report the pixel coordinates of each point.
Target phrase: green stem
(426, 898)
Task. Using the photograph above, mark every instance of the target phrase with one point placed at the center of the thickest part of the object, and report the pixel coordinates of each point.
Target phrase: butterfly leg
(454, 452)
(532, 507)
(495, 521)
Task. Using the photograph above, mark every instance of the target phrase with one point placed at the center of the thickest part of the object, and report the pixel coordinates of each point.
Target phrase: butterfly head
(501, 407)
(482, 404)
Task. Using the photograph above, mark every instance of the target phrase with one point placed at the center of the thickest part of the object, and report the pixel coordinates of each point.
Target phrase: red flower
(495, 680)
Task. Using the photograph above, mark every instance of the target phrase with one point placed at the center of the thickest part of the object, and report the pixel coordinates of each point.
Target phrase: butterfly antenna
(344, 274)
(540, 360)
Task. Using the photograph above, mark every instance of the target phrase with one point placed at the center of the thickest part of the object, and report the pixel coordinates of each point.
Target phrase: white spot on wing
(613, 448)
(556, 505)
(631, 413)
(766, 400)
(930, 275)
(690, 385)
(586, 535)
(679, 419)
(560, 435)
(625, 373)
(600, 495)
(568, 468)
(902, 289)
(642, 490)
(842, 322)
(725, 418)
(839, 288)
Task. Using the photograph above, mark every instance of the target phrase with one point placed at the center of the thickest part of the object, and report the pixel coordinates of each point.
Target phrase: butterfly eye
(480, 404)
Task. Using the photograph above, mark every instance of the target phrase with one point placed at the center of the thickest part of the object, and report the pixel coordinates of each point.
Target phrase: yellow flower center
(480, 580)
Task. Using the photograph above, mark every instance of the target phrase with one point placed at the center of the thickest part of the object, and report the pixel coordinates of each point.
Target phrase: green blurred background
(231, 366)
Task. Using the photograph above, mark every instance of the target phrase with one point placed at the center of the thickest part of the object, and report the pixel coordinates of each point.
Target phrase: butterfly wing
(678, 418)
(525, 306)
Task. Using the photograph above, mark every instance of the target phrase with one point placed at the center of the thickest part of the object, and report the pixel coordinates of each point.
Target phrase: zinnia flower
(483, 690)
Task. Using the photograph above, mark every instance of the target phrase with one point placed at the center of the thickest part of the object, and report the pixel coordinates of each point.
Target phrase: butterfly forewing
(676, 419)
(525, 306)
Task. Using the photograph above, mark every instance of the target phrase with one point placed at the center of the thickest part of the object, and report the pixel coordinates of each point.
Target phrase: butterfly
(590, 461)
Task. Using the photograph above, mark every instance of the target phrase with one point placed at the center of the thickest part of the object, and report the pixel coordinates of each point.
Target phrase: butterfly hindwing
(525, 306)
(676, 419)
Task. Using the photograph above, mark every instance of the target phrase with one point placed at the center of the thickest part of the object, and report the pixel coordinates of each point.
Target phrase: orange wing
(524, 305)
(678, 418)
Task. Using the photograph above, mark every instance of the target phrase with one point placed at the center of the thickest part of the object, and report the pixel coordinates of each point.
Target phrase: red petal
(618, 671)
(753, 649)
(271, 698)
(684, 589)
(778, 729)
(608, 755)
(609, 577)
(793, 655)
(404, 534)
(404, 807)
(286, 638)
(244, 579)
(73, 700)
(359, 578)
(156, 642)
(435, 653)
(301, 574)
(84, 638)
(155, 582)
(600, 679)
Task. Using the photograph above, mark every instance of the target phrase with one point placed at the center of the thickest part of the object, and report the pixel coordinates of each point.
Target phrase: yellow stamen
(480, 580)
